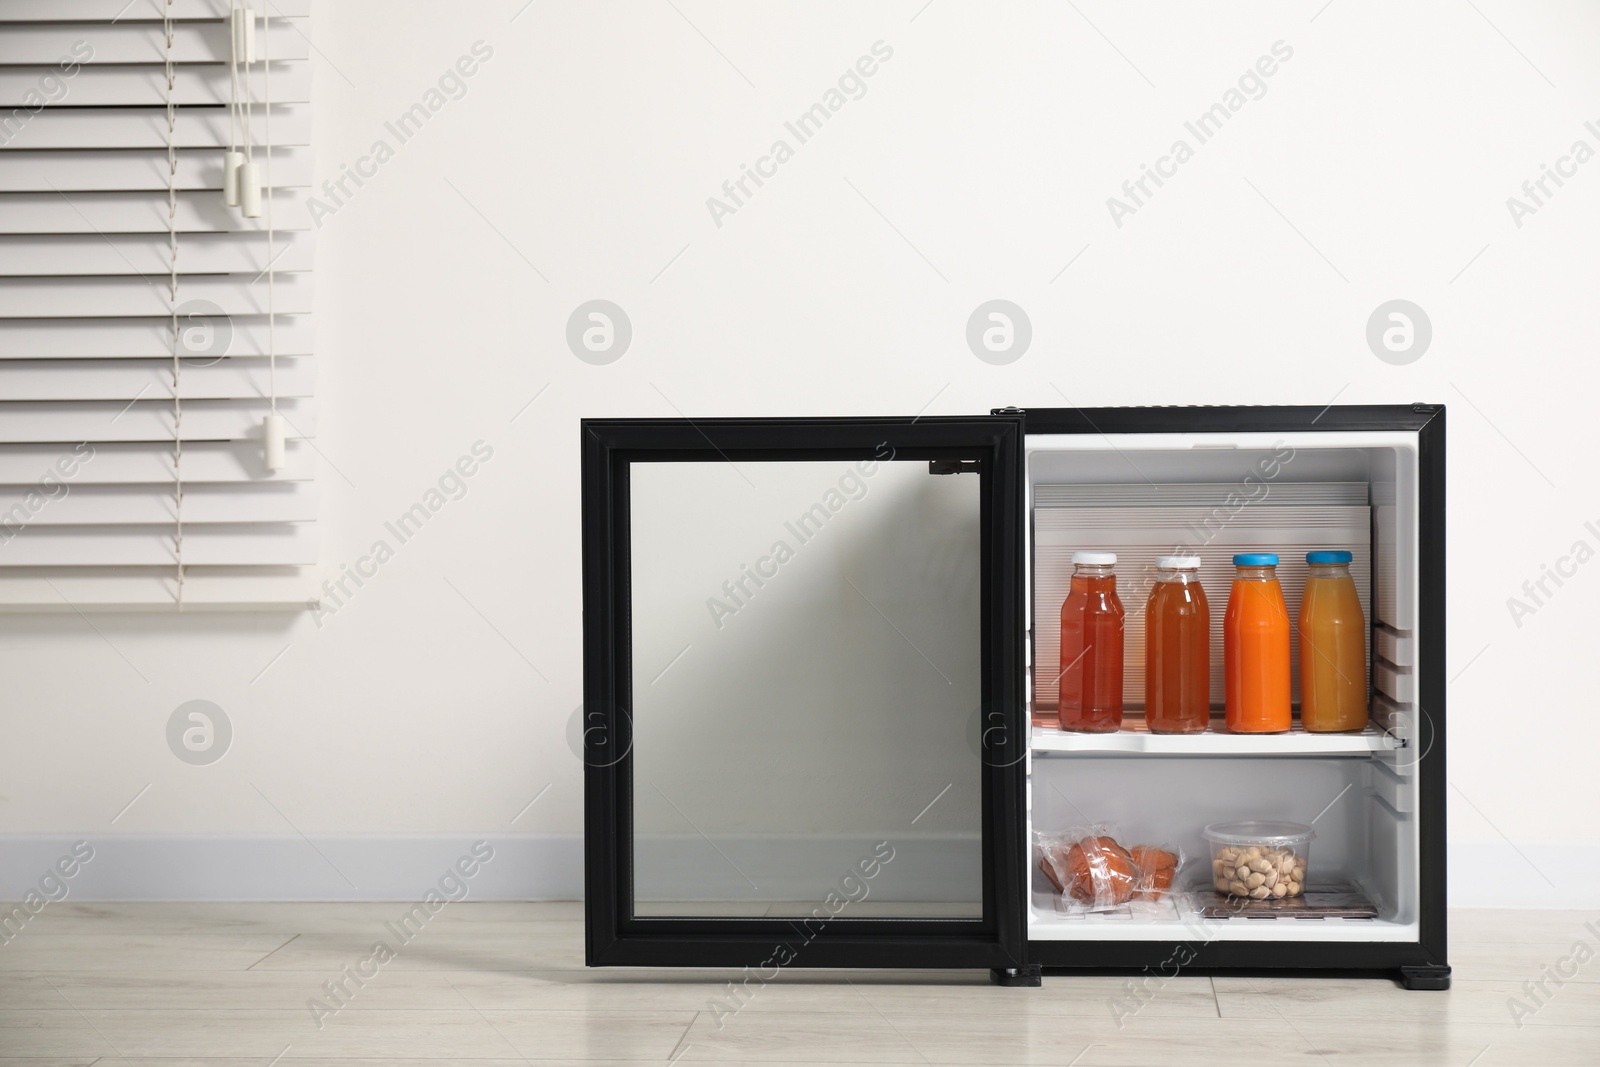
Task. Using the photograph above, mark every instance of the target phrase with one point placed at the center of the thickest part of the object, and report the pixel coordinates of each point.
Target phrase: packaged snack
(1157, 866)
(1094, 872)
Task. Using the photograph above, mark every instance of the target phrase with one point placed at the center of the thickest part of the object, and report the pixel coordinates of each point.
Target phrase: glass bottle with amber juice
(1255, 648)
(1177, 649)
(1333, 647)
(1091, 647)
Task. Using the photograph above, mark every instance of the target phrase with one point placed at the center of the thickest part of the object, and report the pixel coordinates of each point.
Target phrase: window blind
(147, 328)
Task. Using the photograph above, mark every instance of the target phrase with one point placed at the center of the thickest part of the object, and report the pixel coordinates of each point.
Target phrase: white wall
(976, 166)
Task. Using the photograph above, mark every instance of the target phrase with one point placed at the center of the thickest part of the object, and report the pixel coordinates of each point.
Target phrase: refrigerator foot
(1425, 977)
(1028, 975)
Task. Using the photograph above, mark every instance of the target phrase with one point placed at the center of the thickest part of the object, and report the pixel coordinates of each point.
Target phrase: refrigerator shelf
(1195, 930)
(1318, 902)
(1134, 740)
(1195, 917)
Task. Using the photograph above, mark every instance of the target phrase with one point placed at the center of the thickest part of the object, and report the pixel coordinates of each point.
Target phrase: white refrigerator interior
(1144, 495)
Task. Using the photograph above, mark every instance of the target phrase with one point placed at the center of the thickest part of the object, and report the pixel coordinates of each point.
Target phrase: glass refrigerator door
(802, 699)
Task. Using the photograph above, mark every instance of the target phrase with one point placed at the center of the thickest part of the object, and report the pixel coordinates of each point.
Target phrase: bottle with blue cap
(1333, 647)
(1255, 648)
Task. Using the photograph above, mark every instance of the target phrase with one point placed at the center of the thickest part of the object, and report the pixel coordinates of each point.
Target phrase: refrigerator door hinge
(1007, 411)
(953, 466)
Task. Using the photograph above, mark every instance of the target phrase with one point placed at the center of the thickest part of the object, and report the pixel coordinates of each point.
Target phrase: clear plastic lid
(1094, 559)
(1177, 563)
(1258, 833)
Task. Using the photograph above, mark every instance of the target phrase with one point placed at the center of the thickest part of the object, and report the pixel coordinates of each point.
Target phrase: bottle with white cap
(1091, 647)
(1177, 649)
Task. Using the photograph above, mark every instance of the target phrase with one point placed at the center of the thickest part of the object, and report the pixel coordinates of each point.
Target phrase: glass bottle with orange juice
(1177, 649)
(1091, 647)
(1255, 643)
(1333, 647)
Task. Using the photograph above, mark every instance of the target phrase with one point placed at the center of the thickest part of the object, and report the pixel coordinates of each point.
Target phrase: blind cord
(172, 263)
(272, 432)
(233, 160)
(249, 182)
(272, 274)
(233, 80)
(249, 110)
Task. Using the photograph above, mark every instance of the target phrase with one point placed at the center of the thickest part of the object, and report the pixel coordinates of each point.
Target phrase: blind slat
(48, 255)
(27, 422)
(204, 544)
(145, 83)
(42, 44)
(132, 10)
(145, 213)
(119, 463)
(57, 171)
(151, 379)
(30, 506)
(142, 127)
(234, 294)
(87, 589)
(117, 338)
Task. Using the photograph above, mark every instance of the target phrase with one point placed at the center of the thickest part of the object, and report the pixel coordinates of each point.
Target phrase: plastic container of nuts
(1259, 860)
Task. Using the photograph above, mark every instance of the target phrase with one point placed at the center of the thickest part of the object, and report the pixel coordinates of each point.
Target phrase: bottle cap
(1095, 559)
(1256, 559)
(1328, 557)
(1177, 563)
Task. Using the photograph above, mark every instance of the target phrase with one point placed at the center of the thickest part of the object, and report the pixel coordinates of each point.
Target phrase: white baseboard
(550, 867)
(289, 867)
(524, 867)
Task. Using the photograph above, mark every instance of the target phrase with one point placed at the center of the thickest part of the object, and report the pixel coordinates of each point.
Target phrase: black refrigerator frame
(999, 941)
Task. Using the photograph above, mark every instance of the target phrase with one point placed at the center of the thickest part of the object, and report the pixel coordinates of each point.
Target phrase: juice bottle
(1177, 649)
(1091, 647)
(1255, 645)
(1333, 648)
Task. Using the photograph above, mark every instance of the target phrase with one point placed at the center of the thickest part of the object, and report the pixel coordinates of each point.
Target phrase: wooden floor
(497, 985)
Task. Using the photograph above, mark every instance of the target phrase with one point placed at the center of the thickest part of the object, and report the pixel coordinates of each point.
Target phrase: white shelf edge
(1137, 741)
(1204, 931)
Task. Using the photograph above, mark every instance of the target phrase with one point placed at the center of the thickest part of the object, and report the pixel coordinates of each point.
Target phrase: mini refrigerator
(820, 661)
